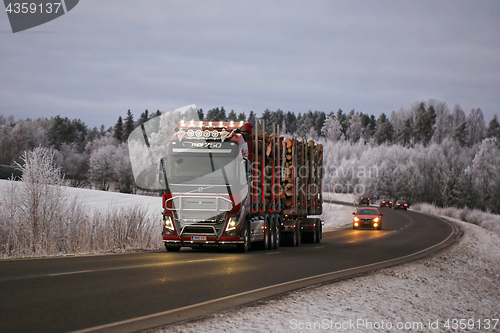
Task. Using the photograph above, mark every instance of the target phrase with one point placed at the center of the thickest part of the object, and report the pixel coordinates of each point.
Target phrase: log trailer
(227, 184)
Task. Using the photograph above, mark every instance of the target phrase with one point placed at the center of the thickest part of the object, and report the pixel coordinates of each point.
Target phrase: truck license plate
(198, 238)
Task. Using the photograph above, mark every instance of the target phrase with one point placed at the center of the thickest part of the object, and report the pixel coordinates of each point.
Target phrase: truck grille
(192, 210)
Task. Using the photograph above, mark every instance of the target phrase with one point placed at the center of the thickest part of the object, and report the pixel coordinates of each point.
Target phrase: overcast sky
(105, 57)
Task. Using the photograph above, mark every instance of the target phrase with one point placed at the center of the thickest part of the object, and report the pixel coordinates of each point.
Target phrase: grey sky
(105, 57)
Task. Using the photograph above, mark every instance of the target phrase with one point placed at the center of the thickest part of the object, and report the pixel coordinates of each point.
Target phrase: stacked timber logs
(287, 171)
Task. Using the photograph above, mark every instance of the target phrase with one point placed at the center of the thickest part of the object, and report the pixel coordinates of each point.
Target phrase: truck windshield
(193, 163)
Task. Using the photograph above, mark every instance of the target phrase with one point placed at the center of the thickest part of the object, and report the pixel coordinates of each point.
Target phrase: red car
(367, 217)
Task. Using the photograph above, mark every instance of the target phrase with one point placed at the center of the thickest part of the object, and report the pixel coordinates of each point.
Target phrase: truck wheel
(246, 240)
(277, 233)
(172, 248)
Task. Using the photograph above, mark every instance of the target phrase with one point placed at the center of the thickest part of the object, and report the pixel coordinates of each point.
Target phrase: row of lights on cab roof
(210, 123)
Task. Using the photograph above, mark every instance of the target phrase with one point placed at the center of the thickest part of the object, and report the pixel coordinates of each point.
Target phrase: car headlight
(233, 222)
(356, 218)
(375, 219)
(168, 223)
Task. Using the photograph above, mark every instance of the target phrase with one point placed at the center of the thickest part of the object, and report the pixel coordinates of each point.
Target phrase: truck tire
(243, 248)
(319, 231)
(272, 232)
(172, 248)
(265, 242)
(312, 236)
(298, 232)
(277, 233)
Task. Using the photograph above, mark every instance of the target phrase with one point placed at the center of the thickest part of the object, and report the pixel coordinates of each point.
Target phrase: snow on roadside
(459, 282)
(336, 216)
(486, 220)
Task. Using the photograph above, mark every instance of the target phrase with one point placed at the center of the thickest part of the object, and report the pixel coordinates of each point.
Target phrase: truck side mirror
(353, 213)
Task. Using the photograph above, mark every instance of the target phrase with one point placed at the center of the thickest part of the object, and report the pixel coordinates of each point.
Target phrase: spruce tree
(118, 131)
(493, 130)
(129, 125)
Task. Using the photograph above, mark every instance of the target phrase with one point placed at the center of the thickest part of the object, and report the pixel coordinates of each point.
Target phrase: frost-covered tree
(475, 126)
(355, 129)
(443, 126)
(332, 130)
(463, 192)
(102, 167)
(40, 200)
(486, 170)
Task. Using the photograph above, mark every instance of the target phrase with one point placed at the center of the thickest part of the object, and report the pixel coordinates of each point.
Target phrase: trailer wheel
(277, 230)
(298, 234)
(272, 232)
(319, 232)
(265, 242)
(312, 236)
(172, 248)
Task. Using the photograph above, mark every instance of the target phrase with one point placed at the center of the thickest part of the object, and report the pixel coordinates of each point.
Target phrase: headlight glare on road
(167, 221)
(231, 225)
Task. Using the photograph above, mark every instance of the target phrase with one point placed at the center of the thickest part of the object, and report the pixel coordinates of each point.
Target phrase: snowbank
(475, 216)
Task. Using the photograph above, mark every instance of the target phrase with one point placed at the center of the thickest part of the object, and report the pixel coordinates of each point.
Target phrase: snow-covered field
(103, 200)
(459, 282)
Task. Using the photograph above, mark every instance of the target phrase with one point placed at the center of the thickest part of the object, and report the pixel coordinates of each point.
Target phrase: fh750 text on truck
(227, 184)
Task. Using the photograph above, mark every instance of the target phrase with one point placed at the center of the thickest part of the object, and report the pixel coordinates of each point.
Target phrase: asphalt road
(74, 293)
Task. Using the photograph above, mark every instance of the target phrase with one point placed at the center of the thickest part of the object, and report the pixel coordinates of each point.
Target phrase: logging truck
(228, 184)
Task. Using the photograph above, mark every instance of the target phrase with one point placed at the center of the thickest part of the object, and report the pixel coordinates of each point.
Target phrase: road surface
(76, 293)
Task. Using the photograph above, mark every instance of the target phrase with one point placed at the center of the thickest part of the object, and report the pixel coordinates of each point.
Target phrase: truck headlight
(233, 222)
(168, 223)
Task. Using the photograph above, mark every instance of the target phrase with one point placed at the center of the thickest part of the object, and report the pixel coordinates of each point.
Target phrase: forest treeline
(427, 152)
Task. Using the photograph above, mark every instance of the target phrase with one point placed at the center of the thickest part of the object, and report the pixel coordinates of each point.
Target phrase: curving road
(77, 293)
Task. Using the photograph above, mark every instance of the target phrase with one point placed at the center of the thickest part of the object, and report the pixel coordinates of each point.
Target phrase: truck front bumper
(209, 241)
